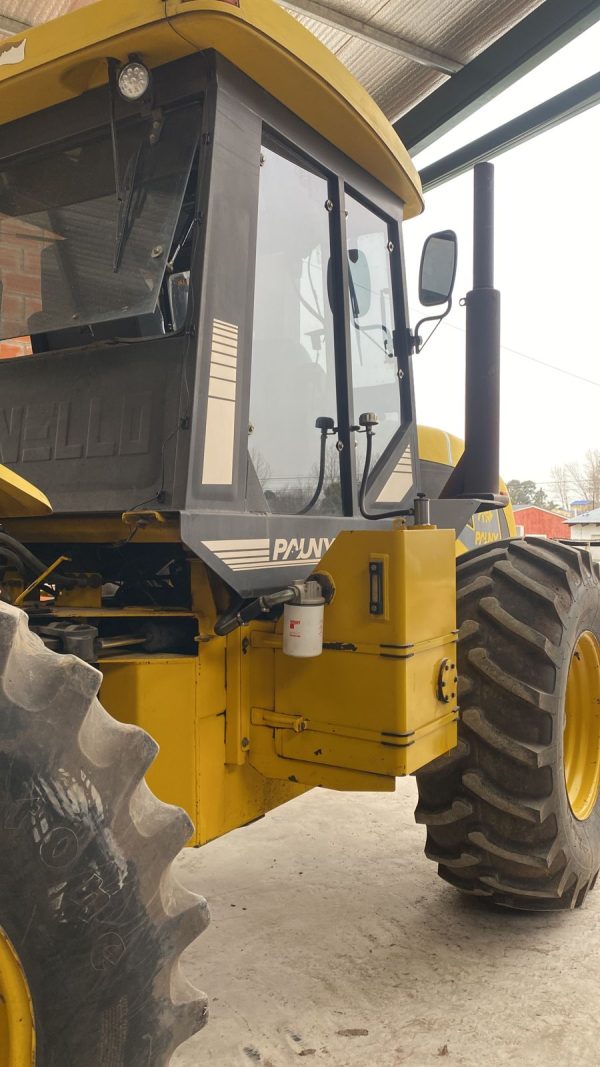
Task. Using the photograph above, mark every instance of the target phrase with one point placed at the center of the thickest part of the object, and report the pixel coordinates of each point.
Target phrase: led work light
(133, 80)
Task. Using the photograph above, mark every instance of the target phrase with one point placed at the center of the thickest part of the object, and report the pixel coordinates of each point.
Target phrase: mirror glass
(438, 268)
(359, 283)
(359, 277)
(179, 292)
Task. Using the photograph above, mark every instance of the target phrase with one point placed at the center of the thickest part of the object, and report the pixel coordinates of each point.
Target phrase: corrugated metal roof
(592, 517)
(455, 30)
(32, 12)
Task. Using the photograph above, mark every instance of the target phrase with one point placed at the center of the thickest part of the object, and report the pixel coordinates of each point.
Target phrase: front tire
(89, 908)
(513, 813)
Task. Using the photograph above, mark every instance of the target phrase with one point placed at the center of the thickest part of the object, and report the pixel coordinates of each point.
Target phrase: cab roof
(63, 58)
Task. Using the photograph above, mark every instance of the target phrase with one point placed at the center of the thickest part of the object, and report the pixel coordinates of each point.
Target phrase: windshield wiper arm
(125, 200)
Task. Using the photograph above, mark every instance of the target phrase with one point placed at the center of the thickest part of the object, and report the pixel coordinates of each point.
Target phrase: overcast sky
(547, 268)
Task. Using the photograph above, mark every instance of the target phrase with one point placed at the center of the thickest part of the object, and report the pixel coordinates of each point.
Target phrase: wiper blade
(113, 66)
(125, 199)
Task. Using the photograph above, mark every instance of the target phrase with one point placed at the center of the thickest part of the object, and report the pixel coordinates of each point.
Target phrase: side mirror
(438, 268)
(178, 288)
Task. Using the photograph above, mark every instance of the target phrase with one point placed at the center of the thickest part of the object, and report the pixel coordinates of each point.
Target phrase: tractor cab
(214, 292)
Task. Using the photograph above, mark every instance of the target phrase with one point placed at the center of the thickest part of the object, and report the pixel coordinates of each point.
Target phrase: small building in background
(577, 507)
(586, 527)
(585, 532)
(535, 520)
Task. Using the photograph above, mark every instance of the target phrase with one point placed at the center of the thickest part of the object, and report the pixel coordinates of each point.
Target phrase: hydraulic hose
(12, 558)
(29, 561)
(240, 615)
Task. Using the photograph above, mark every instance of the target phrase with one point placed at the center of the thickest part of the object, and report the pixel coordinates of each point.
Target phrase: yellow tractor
(252, 545)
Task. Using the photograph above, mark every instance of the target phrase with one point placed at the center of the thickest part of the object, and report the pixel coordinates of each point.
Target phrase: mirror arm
(416, 343)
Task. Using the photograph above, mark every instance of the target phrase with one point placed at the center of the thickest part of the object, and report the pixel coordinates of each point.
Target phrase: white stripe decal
(219, 435)
(277, 563)
(253, 542)
(250, 552)
(399, 481)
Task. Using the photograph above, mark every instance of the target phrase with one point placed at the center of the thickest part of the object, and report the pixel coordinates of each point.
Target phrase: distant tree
(522, 492)
(585, 477)
(561, 485)
(528, 492)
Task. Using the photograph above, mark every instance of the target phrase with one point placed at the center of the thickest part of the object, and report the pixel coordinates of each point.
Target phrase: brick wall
(19, 346)
(20, 250)
(21, 263)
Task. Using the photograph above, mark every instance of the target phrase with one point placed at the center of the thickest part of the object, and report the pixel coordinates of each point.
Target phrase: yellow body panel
(63, 58)
(159, 694)
(181, 701)
(19, 497)
(370, 702)
(92, 529)
(243, 728)
(437, 446)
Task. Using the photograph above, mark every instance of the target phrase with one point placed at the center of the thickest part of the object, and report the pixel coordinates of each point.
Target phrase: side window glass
(375, 381)
(293, 358)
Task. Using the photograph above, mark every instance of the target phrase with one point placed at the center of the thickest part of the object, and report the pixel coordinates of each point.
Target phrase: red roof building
(536, 520)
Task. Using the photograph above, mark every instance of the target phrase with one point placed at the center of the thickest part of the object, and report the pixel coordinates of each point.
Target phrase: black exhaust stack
(477, 473)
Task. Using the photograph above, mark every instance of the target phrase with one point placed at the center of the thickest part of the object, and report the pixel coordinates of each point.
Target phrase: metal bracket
(447, 682)
(143, 518)
(278, 721)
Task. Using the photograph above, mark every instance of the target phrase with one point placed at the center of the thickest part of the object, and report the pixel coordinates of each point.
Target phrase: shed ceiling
(400, 51)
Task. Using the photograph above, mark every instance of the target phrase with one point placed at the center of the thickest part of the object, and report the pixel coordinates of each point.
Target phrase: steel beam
(553, 24)
(8, 25)
(557, 109)
(365, 31)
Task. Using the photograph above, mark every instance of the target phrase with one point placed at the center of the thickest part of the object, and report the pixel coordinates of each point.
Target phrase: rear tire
(501, 822)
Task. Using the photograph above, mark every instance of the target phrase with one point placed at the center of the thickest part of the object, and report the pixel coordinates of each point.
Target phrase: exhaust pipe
(477, 472)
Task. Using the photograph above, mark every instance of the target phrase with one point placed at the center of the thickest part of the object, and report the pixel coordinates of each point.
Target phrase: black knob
(368, 419)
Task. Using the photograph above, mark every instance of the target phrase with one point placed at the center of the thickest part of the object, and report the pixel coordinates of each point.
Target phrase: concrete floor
(333, 940)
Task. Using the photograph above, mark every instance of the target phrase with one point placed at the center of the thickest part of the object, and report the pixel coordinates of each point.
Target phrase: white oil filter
(303, 629)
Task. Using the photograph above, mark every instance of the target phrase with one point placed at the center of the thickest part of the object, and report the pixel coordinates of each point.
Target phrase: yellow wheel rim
(582, 727)
(17, 1042)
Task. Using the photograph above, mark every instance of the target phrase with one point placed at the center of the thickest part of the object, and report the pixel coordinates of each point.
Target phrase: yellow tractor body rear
(241, 725)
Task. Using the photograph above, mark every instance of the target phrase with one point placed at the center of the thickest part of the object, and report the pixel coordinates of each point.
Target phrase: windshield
(293, 356)
(375, 379)
(60, 219)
